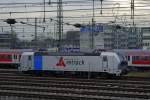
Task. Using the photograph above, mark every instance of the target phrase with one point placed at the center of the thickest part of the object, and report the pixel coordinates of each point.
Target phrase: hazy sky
(111, 9)
(75, 11)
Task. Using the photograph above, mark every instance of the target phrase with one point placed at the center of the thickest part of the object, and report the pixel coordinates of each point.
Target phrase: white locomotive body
(106, 62)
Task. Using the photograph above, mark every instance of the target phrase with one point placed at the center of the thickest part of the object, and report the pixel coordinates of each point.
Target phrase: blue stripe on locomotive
(38, 62)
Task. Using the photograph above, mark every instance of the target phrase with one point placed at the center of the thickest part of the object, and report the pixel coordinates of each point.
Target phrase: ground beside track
(139, 74)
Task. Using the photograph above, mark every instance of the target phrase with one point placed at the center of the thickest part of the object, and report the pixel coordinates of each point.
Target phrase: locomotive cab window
(29, 57)
(104, 58)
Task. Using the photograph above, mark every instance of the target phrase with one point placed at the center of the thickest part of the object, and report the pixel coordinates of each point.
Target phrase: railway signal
(10, 21)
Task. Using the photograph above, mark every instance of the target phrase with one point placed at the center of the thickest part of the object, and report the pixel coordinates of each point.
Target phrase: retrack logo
(61, 62)
(74, 62)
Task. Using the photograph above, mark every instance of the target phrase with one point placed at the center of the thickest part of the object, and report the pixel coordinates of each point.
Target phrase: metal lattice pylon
(59, 21)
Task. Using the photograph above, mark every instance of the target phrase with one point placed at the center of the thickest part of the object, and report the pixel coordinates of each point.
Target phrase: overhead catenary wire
(141, 9)
(41, 5)
(37, 11)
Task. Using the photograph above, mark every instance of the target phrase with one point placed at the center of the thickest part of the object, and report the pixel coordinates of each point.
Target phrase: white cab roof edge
(28, 53)
(108, 53)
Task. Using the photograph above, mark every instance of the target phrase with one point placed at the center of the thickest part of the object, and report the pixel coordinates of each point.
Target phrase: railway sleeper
(2, 83)
(83, 92)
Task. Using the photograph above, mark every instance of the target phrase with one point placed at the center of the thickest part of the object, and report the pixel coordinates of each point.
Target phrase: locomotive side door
(29, 63)
(104, 63)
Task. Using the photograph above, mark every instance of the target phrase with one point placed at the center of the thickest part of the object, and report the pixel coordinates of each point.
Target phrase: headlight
(124, 63)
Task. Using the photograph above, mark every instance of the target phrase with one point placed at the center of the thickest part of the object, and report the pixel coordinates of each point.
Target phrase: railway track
(16, 86)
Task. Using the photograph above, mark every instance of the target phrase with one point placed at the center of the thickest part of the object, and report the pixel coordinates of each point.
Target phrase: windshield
(121, 57)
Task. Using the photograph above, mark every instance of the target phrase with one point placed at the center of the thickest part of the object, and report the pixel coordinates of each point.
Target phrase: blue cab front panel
(37, 62)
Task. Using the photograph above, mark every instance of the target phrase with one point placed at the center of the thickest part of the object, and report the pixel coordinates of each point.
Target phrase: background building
(146, 37)
(71, 42)
(105, 36)
(134, 38)
(111, 37)
(8, 40)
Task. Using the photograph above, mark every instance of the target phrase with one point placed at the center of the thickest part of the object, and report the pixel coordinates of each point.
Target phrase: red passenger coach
(9, 57)
(5, 57)
(137, 58)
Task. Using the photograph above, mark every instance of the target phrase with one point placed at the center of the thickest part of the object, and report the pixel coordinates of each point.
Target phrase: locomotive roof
(15, 50)
(67, 54)
(28, 53)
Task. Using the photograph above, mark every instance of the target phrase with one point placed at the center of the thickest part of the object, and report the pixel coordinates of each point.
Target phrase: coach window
(128, 58)
(3, 56)
(133, 58)
(19, 56)
(14, 56)
(6, 56)
(9, 56)
(145, 57)
(137, 57)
